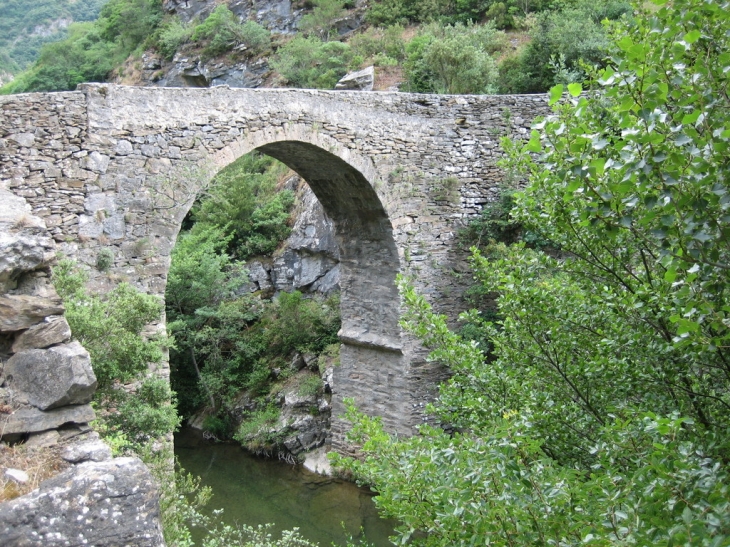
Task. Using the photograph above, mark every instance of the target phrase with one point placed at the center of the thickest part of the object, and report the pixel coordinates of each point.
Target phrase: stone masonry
(113, 170)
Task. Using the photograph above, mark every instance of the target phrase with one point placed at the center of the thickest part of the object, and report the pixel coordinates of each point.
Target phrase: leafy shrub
(310, 385)
(172, 35)
(282, 322)
(110, 327)
(560, 43)
(377, 41)
(257, 432)
(312, 63)
(256, 37)
(322, 17)
(453, 59)
(243, 201)
(148, 413)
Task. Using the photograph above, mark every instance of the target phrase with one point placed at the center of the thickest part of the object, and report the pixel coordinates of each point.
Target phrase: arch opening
(372, 364)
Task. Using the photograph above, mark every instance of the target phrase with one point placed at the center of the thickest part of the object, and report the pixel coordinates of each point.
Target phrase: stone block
(54, 377)
(31, 420)
(105, 504)
(20, 311)
(53, 330)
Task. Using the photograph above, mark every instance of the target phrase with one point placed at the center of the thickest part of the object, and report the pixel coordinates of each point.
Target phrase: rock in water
(362, 80)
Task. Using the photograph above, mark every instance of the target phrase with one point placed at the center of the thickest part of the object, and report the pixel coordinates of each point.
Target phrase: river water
(257, 491)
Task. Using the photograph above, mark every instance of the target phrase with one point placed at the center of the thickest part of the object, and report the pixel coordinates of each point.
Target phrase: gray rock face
(193, 72)
(53, 377)
(53, 330)
(111, 503)
(276, 15)
(20, 311)
(30, 420)
(362, 80)
(90, 450)
(24, 244)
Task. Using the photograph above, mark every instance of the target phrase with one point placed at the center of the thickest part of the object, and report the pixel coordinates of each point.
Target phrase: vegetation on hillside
(601, 415)
(26, 25)
(439, 46)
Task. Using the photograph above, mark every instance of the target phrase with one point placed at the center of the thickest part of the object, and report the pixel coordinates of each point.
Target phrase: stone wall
(116, 169)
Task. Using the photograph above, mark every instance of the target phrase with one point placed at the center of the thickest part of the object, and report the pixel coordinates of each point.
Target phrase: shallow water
(257, 491)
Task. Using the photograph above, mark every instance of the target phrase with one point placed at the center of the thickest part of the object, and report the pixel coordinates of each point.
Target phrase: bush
(110, 327)
(320, 21)
(312, 63)
(255, 37)
(172, 35)
(453, 59)
(283, 320)
(257, 432)
(148, 413)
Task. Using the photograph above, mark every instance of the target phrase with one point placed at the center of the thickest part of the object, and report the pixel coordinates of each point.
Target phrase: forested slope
(26, 25)
(439, 46)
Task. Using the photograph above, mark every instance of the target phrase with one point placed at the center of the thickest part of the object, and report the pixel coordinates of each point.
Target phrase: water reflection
(256, 491)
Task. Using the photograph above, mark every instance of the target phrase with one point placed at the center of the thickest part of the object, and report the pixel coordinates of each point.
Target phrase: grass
(39, 463)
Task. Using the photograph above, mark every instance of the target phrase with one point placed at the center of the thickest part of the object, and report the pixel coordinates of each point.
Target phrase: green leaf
(555, 93)
(575, 89)
(692, 36)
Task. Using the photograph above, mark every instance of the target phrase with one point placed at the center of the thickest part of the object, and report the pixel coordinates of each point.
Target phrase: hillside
(26, 25)
(433, 47)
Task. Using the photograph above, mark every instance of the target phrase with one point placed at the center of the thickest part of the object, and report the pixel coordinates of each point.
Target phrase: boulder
(362, 80)
(111, 503)
(21, 311)
(31, 420)
(54, 377)
(43, 439)
(93, 449)
(54, 330)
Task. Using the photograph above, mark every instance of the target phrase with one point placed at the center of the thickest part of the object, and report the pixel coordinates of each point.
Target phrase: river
(256, 491)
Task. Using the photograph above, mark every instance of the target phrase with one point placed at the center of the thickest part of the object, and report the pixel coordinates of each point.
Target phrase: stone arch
(373, 367)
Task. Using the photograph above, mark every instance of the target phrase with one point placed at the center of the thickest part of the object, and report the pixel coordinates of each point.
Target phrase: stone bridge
(112, 167)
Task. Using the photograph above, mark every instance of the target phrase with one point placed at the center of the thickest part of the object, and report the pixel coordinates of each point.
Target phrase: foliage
(282, 323)
(379, 44)
(92, 50)
(258, 431)
(221, 32)
(244, 202)
(601, 418)
(453, 59)
(20, 43)
(109, 327)
(148, 413)
(561, 43)
(171, 35)
(312, 63)
(310, 385)
(322, 17)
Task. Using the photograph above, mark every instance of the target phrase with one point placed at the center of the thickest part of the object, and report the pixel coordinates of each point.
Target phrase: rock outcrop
(362, 80)
(46, 385)
(111, 502)
(308, 261)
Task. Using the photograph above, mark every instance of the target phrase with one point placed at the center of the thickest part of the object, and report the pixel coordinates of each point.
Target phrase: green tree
(453, 59)
(312, 63)
(323, 16)
(244, 202)
(601, 417)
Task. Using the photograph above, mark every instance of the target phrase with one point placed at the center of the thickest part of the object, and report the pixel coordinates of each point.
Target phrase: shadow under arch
(373, 369)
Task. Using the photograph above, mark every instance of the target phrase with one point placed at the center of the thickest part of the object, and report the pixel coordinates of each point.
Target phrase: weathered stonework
(117, 168)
